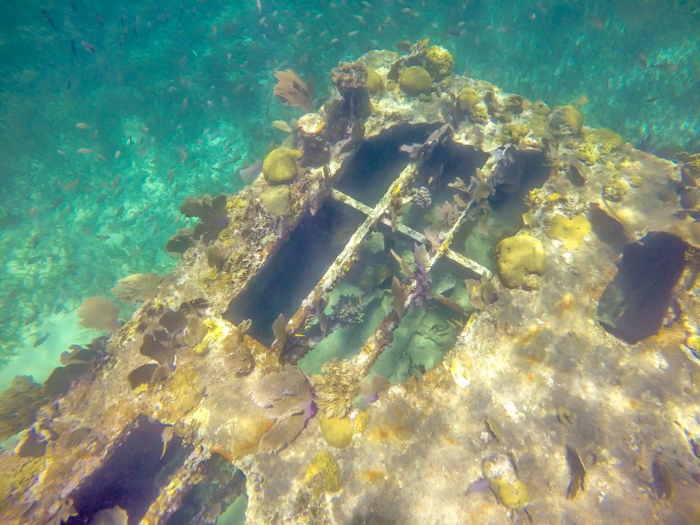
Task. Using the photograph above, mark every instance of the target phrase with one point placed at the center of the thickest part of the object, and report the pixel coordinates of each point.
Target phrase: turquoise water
(111, 114)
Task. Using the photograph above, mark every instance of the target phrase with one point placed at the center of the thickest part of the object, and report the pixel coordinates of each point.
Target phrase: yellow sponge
(570, 232)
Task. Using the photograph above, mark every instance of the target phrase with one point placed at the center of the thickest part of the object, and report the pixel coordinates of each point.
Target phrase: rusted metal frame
(344, 262)
(383, 334)
(415, 236)
(171, 495)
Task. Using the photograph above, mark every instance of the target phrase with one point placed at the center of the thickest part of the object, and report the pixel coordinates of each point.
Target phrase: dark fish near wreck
(41, 340)
(251, 173)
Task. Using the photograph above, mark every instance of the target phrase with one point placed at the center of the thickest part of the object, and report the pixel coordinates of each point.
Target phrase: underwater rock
(518, 257)
(415, 81)
(19, 404)
(280, 166)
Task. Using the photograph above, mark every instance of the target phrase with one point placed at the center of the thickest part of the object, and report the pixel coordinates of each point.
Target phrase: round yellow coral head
(374, 81)
(439, 61)
(517, 258)
(280, 166)
(415, 80)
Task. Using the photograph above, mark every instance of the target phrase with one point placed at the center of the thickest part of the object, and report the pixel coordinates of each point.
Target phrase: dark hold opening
(634, 304)
(378, 162)
(133, 476)
(447, 162)
(220, 485)
(294, 269)
(516, 178)
(516, 174)
(607, 228)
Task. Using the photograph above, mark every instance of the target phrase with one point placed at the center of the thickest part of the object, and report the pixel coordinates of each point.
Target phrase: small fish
(72, 46)
(82, 125)
(41, 340)
(120, 191)
(99, 20)
(120, 210)
(166, 436)
(259, 6)
(281, 125)
(666, 67)
(116, 180)
(597, 23)
(88, 47)
(642, 60)
(183, 155)
(101, 197)
(117, 154)
(30, 319)
(32, 212)
(48, 18)
(72, 184)
(85, 151)
(102, 237)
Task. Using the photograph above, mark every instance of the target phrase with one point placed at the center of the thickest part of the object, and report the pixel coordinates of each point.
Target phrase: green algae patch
(415, 80)
(519, 257)
(280, 166)
(571, 232)
(337, 431)
(323, 474)
(439, 61)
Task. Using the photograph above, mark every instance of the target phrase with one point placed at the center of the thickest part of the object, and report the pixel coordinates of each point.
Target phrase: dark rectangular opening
(478, 235)
(448, 162)
(379, 161)
(220, 485)
(132, 476)
(294, 269)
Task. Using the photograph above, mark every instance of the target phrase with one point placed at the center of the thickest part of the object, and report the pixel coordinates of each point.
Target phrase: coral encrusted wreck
(526, 284)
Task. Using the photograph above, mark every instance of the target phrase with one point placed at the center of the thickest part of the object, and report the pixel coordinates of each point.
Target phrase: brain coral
(280, 166)
(519, 257)
(415, 80)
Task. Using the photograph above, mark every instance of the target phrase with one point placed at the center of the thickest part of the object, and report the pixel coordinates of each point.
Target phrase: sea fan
(98, 313)
(286, 395)
(293, 91)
